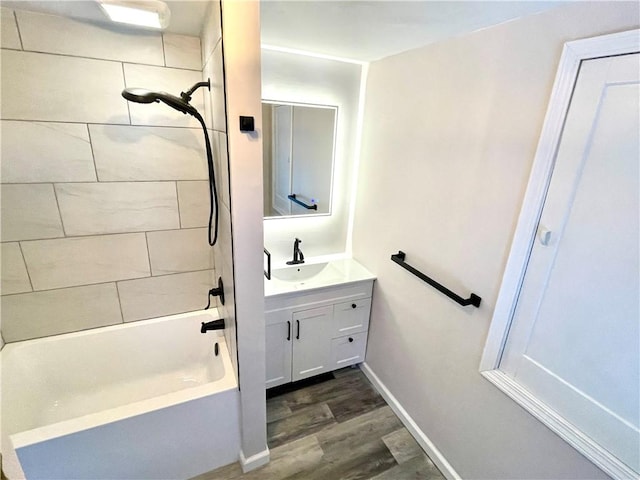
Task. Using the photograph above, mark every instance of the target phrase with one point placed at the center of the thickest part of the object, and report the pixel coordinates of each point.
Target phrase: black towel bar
(267, 272)
(293, 198)
(472, 300)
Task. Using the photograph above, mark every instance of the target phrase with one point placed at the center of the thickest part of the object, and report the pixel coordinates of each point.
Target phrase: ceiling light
(150, 14)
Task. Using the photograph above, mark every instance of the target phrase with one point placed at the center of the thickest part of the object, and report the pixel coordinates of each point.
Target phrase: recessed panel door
(312, 342)
(574, 341)
(278, 347)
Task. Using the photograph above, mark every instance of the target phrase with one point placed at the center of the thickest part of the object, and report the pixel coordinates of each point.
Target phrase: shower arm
(186, 96)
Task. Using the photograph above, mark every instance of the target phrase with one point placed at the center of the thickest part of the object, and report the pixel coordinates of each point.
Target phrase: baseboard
(254, 461)
(427, 445)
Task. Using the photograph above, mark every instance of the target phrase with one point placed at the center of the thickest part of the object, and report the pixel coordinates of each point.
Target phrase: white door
(312, 153)
(575, 339)
(282, 145)
(312, 342)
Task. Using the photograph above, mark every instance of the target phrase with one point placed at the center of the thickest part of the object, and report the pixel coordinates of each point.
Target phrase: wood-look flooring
(339, 429)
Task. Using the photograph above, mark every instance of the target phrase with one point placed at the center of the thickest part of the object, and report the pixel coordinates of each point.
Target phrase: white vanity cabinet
(316, 331)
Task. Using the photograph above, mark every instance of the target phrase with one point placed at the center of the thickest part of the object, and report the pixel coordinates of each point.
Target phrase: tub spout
(213, 325)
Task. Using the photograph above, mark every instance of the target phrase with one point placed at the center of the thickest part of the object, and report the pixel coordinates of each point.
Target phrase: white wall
(104, 202)
(450, 133)
(241, 36)
(290, 77)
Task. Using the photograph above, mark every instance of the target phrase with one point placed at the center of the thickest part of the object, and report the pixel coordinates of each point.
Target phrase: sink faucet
(212, 325)
(298, 257)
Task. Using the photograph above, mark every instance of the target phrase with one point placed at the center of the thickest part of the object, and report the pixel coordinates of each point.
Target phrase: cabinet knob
(353, 305)
(350, 339)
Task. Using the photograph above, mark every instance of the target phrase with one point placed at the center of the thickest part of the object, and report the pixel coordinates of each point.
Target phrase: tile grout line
(93, 154)
(178, 202)
(15, 17)
(146, 240)
(108, 282)
(119, 302)
(164, 52)
(55, 194)
(24, 260)
(124, 80)
(79, 122)
(68, 55)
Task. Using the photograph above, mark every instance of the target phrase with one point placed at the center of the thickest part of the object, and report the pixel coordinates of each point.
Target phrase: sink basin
(311, 276)
(299, 273)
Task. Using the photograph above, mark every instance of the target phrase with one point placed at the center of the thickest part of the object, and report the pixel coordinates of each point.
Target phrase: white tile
(176, 251)
(97, 208)
(228, 311)
(164, 79)
(207, 73)
(9, 37)
(54, 34)
(148, 153)
(193, 198)
(182, 51)
(158, 296)
(217, 91)
(45, 152)
(29, 212)
(224, 235)
(39, 86)
(211, 30)
(41, 314)
(69, 262)
(222, 171)
(14, 273)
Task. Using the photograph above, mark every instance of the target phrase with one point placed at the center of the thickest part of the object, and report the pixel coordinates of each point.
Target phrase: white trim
(306, 53)
(572, 56)
(425, 443)
(565, 430)
(357, 157)
(254, 461)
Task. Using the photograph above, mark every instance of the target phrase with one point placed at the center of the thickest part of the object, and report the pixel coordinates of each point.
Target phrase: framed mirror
(298, 158)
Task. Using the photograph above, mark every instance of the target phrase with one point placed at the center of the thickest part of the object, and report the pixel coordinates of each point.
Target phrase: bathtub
(144, 400)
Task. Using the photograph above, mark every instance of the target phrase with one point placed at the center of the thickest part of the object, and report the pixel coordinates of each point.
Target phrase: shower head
(142, 95)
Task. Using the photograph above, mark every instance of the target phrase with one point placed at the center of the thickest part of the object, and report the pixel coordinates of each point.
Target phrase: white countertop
(313, 275)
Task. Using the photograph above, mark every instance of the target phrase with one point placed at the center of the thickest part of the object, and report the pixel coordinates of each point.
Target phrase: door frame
(573, 54)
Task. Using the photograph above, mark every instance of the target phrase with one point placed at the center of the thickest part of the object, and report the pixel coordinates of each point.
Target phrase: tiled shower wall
(105, 202)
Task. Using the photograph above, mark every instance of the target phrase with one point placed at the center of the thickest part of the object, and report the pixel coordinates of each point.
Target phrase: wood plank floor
(339, 429)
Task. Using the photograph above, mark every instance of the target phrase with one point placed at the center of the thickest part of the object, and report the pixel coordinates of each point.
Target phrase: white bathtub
(144, 400)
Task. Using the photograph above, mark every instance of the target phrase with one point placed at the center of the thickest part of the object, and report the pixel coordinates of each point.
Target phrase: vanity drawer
(348, 350)
(351, 317)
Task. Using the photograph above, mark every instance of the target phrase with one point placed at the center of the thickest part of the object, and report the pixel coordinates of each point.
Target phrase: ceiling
(357, 29)
(370, 30)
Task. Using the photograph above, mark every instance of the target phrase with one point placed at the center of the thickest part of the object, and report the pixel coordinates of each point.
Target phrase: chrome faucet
(298, 257)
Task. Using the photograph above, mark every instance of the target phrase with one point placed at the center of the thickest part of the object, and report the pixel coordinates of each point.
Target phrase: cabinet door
(278, 348)
(312, 342)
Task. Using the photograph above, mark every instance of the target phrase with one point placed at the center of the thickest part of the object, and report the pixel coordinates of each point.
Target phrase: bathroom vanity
(317, 319)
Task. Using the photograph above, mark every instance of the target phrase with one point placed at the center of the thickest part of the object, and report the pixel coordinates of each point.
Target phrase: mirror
(298, 153)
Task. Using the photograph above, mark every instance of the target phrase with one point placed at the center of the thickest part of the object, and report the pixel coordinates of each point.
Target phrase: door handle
(544, 235)
(298, 332)
(288, 330)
